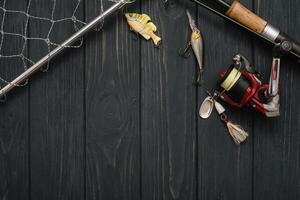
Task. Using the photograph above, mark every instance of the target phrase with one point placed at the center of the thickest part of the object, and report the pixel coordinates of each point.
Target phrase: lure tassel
(238, 134)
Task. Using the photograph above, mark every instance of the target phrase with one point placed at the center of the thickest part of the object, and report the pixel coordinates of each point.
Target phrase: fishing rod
(241, 85)
(242, 16)
(58, 50)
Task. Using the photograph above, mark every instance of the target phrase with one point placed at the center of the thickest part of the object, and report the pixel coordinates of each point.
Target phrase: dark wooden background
(117, 119)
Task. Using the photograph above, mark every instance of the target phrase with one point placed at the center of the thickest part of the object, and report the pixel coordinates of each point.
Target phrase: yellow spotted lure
(140, 23)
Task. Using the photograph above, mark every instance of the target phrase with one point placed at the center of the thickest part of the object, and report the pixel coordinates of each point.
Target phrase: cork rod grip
(243, 15)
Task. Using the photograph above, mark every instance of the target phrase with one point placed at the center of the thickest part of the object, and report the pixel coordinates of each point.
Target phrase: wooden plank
(276, 146)
(14, 168)
(57, 110)
(225, 170)
(168, 108)
(112, 109)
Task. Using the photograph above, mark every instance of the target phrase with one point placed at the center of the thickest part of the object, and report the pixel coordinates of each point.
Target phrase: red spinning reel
(242, 87)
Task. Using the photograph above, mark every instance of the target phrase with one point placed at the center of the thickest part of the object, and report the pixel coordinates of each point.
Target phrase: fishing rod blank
(223, 3)
(239, 14)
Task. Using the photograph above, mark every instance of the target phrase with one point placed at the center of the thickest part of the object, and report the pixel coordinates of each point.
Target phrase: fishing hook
(199, 80)
(168, 3)
(186, 51)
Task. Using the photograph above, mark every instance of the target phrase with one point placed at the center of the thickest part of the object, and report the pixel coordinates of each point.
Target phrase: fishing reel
(242, 86)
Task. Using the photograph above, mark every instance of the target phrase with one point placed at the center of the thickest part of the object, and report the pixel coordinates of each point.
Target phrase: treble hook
(168, 4)
(199, 80)
(186, 51)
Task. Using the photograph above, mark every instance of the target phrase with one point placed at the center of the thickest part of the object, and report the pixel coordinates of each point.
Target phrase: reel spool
(234, 83)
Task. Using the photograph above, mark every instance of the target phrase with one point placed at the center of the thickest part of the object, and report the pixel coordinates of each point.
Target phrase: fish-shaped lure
(197, 46)
(140, 23)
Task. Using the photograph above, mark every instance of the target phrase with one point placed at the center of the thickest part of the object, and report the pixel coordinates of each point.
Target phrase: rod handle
(243, 15)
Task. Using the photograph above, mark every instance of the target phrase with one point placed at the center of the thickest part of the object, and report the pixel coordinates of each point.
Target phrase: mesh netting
(25, 36)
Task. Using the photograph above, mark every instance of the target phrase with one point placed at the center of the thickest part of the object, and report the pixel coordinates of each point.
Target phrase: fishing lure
(238, 134)
(140, 23)
(196, 43)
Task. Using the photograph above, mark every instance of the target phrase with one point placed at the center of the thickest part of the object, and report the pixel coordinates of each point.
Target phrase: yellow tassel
(238, 134)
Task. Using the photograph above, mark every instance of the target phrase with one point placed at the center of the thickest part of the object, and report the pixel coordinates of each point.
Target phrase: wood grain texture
(57, 112)
(225, 170)
(168, 108)
(276, 147)
(112, 109)
(117, 119)
(14, 167)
